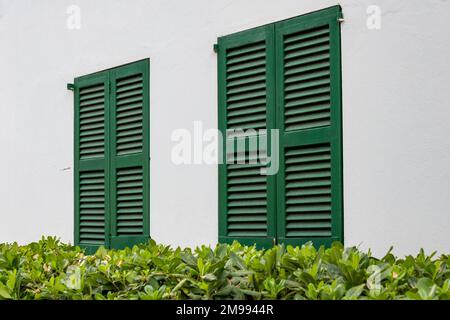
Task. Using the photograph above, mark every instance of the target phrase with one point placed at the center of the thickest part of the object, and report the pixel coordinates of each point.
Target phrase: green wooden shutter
(309, 118)
(112, 157)
(130, 154)
(92, 160)
(246, 101)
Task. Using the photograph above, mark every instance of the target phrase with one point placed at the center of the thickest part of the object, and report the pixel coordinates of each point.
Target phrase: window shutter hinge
(70, 86)
(340, 17)
(216, 48)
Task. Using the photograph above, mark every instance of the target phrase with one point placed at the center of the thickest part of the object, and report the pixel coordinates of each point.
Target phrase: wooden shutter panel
(130, 154)
(246, 101)
(91, 161)
(309, 118)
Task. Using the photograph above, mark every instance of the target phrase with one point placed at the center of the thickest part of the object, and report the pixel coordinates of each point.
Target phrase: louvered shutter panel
(309, 118)
(91, 161)
(246, 101)
(130, 154)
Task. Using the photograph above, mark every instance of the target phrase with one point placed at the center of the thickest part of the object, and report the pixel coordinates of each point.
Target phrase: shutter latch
(70, 86)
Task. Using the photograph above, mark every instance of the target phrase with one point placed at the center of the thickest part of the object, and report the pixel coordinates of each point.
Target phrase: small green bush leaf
(355, 292)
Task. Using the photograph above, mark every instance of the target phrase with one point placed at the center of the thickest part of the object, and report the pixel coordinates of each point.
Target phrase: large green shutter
(246, 101)
(309, 119)
(129, 154)
(92, 160)
(284, 75)
(112, 157)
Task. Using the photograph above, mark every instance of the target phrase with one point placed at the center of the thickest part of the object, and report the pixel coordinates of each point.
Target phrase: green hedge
(49, 269)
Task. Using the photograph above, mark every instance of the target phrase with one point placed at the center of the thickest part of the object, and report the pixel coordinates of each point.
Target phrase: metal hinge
(70, 86)
(216, 47)
(340, 18)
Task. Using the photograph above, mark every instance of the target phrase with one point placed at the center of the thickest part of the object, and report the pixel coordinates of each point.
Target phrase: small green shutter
(309, 119)
(130, 154)
(92, 160)
(246, 101)
(112, 157)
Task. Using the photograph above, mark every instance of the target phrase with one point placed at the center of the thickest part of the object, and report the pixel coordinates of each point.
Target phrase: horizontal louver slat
(307, 89)
(308, 191)
(92, 207)
(129, 117)
(92, 122)
(247, 200)
(246, 86)
(129, 201)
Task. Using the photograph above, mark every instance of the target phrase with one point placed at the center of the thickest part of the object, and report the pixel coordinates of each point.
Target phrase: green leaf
(101, 252)
(11, 283)
(237, 261)
(426, 288)
(209, 277)
(189, 259)
(355, 292)
(4, 292)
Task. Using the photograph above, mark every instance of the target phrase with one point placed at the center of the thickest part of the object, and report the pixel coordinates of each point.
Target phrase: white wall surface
(395, 99)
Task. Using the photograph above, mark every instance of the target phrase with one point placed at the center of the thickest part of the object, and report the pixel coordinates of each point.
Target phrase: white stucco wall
(395, 99)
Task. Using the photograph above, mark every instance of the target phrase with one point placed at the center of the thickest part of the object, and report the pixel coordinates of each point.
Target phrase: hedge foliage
(49, 269)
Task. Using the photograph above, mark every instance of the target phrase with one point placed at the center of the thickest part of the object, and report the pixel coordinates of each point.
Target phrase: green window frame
(112, 157)
(286, 76)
